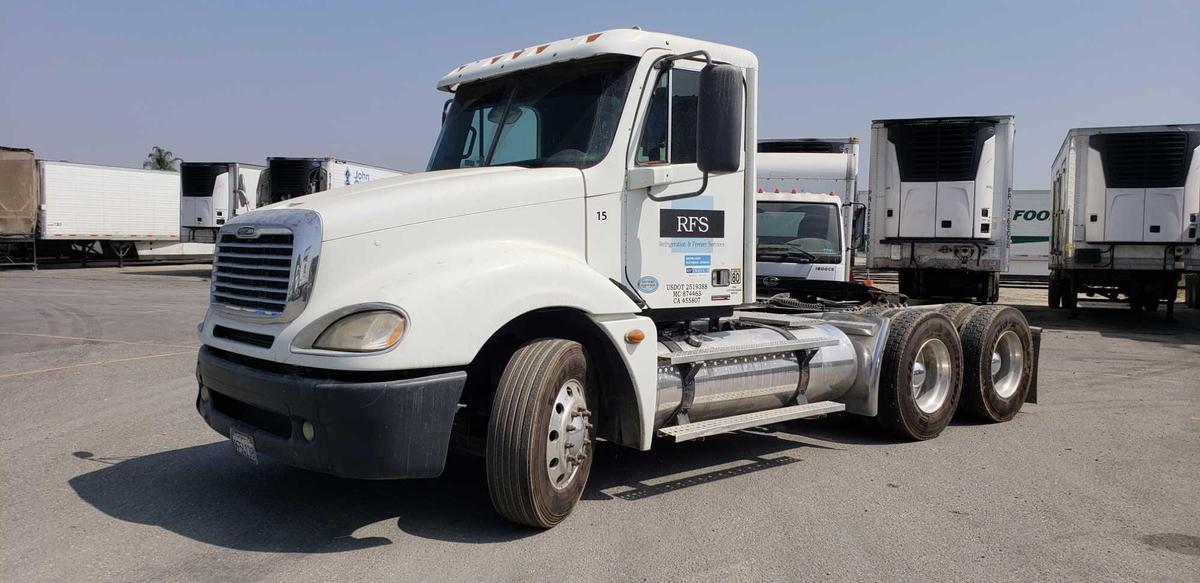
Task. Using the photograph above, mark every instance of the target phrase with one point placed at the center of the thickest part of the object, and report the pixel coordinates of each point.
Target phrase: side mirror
(719, 119)
(859, 224)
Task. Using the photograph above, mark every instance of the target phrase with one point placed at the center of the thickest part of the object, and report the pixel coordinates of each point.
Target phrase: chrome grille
(253, 274)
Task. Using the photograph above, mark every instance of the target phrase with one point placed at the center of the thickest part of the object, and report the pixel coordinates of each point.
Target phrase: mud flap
(1032, 395)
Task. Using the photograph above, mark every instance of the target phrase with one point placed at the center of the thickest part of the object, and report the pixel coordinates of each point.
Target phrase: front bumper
(376, 429)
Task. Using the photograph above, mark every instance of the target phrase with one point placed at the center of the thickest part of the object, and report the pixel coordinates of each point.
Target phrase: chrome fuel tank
(745, 384)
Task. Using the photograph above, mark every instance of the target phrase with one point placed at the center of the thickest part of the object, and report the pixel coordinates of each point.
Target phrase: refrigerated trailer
(586, 272)
(98, 210)
(1126, 206)
(212, 193)
(940, 198)
(287, 178)
(1030, 234)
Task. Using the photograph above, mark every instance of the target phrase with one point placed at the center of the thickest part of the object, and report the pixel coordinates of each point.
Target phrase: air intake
(939, 151)
(1144, 160)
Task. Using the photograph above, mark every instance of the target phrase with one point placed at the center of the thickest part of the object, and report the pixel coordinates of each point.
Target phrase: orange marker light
(540, 49)
(635, 336)
(518, 53)
(593, 37)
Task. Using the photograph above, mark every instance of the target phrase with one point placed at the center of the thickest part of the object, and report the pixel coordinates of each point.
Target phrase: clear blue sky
(103, 81)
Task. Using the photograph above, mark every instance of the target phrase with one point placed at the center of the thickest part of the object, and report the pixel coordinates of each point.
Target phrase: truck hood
(430, 196)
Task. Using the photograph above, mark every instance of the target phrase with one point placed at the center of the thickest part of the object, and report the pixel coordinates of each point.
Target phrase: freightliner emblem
(247, 233)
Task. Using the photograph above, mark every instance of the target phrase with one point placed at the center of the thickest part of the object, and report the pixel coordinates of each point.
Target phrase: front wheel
(921, 375)
(540, 434)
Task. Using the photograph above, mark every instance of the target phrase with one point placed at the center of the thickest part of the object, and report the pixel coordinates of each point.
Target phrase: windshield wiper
(784, 251)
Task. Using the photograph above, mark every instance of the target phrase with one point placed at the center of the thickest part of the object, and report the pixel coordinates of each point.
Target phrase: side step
(727, 424)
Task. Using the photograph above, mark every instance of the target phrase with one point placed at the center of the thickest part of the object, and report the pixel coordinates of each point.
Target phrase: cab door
(682, 246)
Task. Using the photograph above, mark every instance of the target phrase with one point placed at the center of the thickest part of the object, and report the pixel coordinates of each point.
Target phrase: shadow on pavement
(209, 494)
(1118, 321)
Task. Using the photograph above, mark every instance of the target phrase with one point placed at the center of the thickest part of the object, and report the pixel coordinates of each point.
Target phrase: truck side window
(669, 132)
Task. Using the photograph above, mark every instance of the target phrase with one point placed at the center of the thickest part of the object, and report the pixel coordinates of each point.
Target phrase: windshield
(562, 115)
(799, 232)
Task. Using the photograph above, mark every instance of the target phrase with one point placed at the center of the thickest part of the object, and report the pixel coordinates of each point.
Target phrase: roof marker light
(794, 191)
(593, 37)
(518, 53)
(494, 59)
(540, 49)
(776, 191)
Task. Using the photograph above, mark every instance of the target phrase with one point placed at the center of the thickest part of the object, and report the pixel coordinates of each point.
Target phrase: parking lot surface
(110, 474)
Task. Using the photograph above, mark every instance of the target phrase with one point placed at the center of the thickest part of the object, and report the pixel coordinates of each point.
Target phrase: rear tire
(998, 362)
(958, 313)
(1054, 293)
(1070, 297)
(921, 375)
(540, 406)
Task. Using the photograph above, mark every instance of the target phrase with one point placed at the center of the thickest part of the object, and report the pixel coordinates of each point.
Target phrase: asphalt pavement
(108, 472)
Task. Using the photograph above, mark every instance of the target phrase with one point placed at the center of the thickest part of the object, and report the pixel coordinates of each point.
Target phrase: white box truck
(1126, 206)
(212, 193)
(288, 178)
(96, 210)
(805, 220)
(940, 197)
(576, 264)
(1030, 220)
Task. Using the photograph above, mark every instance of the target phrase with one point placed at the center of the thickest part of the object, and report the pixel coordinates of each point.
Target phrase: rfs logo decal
(688, 223)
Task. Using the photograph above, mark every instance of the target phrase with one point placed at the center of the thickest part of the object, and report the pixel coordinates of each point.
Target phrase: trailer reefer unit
(211, 193)
(940, 196)
(288, 178)
(105, 209)
(18, 207)
(576, 264)
(1126, 206)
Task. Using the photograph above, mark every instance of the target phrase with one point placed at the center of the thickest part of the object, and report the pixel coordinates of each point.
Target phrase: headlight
(369, 331)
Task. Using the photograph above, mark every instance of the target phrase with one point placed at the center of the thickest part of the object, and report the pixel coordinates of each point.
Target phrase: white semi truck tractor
(287, 178)
(941, 191)
(808, 225)
(1126, 202)
(575, 265)
(212, 193)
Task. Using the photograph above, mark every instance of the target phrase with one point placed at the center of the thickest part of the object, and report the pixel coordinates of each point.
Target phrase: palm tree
(160, 159)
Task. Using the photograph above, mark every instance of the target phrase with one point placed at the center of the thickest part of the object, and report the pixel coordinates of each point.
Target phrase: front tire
(998, 358)
(921, 376)
(540, 434)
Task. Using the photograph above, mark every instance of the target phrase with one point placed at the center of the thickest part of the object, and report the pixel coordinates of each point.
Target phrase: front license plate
(243, 443)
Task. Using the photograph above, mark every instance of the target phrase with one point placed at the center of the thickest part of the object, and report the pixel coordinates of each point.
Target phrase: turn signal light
(635, 336)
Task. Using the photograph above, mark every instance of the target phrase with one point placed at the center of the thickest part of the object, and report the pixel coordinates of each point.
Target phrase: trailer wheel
(958, 313)
(539, 443)
(921, 377)
(998, 361)
(1069, 293)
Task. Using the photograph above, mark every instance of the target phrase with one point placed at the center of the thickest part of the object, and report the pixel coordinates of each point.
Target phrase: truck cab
(566, 270)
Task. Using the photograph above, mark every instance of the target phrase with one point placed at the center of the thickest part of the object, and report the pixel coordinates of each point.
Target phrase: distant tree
(160, 159)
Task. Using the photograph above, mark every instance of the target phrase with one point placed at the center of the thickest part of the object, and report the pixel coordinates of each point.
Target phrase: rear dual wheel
(921, 375)
(997, 349)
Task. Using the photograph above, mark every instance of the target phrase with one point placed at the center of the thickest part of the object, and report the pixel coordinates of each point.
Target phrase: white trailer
(1126, 207)
(287, 178)
(940, 197)
(212, 193)
(577, 264)
(97, 210)
(1030, 219)
(824, 165)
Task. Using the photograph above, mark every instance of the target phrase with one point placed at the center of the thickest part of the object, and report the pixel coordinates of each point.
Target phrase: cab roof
(624, 41)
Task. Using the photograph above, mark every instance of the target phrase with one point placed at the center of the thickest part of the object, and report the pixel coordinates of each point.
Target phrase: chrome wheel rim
(567, 443)
(931, 375)
(1008, 364)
